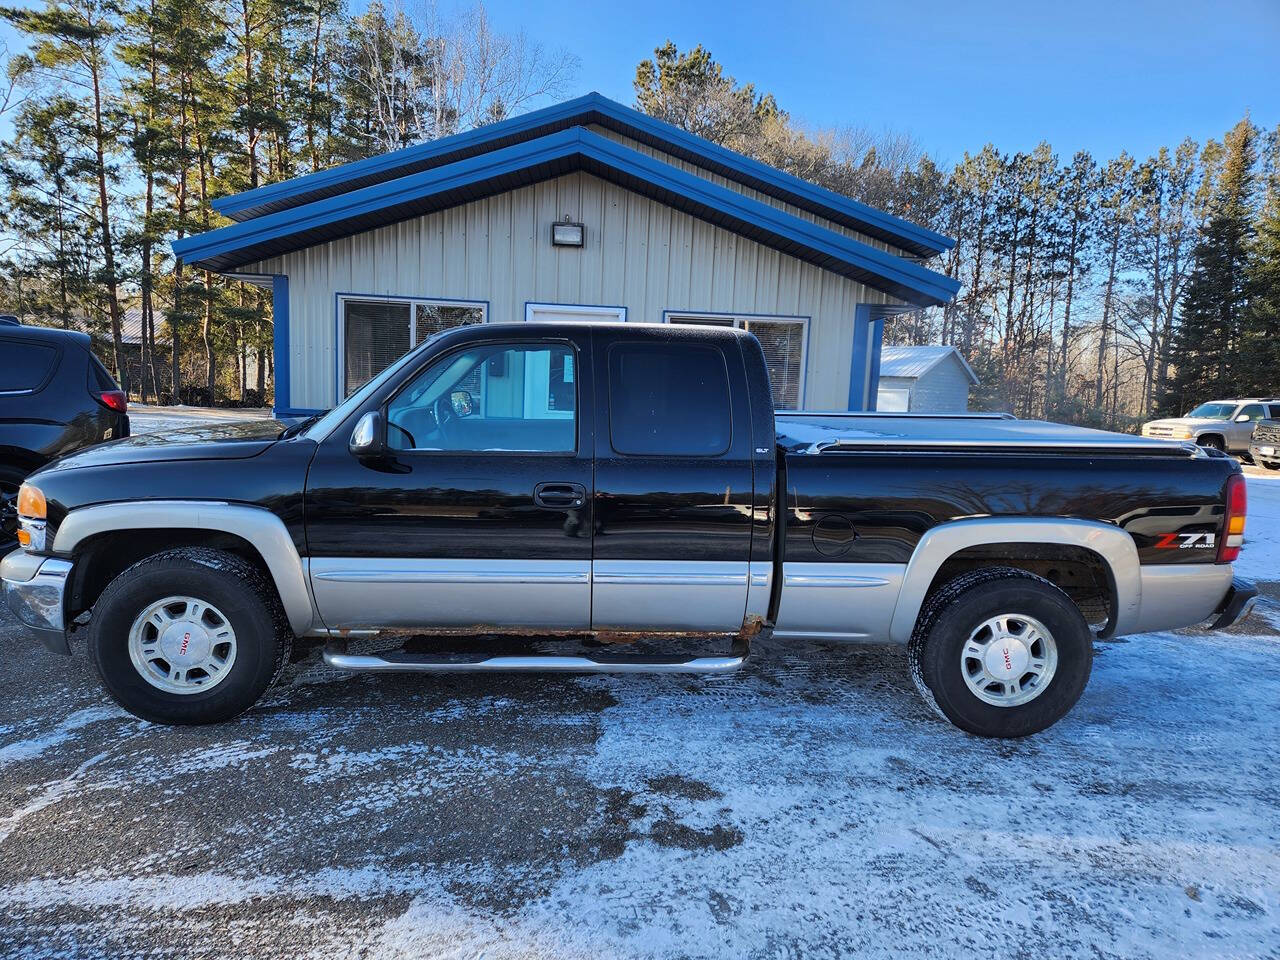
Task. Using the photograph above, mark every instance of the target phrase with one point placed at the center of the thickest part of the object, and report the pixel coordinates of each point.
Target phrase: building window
(377, 331)
(783, 340)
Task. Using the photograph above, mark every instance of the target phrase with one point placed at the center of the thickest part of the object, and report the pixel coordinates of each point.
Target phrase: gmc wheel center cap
(1006, 658)
(185, 642)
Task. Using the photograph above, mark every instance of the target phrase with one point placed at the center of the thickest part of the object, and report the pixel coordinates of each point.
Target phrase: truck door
(673, 481)
(479, 516)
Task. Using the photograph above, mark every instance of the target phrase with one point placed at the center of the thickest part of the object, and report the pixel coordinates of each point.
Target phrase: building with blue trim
(584, 210)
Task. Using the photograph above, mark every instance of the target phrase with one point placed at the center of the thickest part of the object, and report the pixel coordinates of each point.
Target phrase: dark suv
(55, 397)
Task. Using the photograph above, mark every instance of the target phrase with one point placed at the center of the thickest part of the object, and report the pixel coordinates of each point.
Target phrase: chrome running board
(401, 662)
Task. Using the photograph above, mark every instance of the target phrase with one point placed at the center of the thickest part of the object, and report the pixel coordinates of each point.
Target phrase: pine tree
(1206, 348)
(73, 43)
(1261, 351)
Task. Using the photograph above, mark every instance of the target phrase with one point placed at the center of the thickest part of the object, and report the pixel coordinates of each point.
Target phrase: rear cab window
(25, 367)
(669, 400)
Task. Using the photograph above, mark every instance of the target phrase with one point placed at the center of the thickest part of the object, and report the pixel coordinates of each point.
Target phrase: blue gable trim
(553, 155)
(590, 109)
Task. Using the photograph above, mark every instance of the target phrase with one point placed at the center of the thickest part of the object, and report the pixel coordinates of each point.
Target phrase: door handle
(554, 495)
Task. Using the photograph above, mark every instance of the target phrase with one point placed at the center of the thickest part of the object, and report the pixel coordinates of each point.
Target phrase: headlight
(32, 510)
(31, 502)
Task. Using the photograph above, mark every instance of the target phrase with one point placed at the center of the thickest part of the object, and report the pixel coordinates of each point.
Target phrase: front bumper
(1238, 604)
(1265, 452)
(34, 588)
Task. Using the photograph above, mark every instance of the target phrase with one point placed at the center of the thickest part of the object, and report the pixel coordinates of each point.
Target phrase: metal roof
(553, 155)
(590, 109)
(915, 362)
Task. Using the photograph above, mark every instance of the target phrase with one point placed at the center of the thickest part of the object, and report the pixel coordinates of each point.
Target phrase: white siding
(639, 254)
(944, 389)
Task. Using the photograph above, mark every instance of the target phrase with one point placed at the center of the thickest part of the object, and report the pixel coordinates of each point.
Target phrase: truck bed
(818, 433)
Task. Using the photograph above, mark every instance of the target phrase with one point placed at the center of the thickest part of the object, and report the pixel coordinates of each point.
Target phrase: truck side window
(1253, 411)
(490, 398)
(668, 400)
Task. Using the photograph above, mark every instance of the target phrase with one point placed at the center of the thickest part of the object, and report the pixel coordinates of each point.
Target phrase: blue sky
(1104, 76)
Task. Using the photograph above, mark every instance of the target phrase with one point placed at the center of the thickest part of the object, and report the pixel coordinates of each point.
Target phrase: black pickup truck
(619, 483)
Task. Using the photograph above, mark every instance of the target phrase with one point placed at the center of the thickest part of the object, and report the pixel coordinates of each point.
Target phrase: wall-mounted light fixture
(568, 234)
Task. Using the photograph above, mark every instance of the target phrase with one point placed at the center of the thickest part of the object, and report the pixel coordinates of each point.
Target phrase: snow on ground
(1260, 559)
(147, 418)
(809, 806)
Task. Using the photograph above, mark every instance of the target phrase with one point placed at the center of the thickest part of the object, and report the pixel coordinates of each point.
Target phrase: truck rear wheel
(1001, 652)
(189, 636)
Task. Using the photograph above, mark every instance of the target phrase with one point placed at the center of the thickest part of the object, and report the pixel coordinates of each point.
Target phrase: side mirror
(1243, 418)
(369, 438)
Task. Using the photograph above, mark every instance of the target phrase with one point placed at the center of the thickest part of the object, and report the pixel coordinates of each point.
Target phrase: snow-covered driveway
(809, 806)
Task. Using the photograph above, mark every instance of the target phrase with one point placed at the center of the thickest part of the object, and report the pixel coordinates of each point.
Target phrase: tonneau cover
(816, 433)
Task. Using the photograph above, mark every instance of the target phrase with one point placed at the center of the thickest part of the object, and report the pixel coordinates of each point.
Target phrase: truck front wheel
(189, 636)
(1001, 652)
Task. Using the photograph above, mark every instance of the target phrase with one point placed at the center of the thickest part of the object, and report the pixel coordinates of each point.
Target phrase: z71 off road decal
(1185, 541)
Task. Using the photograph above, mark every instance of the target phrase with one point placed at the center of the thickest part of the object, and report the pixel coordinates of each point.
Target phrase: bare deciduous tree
(425, 76)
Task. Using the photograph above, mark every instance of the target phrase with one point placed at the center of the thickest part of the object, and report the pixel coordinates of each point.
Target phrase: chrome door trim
(498, 576)
(831, 579)
(674, 579)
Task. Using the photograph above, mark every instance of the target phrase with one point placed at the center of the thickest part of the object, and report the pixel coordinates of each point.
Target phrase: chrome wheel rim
(1009, 660)
(182, 645)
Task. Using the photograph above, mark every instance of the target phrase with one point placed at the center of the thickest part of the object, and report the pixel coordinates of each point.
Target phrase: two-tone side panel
(674, 482)
(479, 515)
(867, 532)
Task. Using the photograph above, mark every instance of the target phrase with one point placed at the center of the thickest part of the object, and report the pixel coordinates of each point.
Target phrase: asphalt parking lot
(809, 806)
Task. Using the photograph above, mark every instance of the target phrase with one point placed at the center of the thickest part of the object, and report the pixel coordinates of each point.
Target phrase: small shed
(930, 379)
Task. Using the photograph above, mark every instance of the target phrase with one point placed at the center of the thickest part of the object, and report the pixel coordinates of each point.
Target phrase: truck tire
(1001, 652)
(189, 636)
(1213, 442)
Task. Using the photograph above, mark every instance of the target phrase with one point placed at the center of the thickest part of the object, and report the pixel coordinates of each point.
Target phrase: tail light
(1232, 537)
(114, 400)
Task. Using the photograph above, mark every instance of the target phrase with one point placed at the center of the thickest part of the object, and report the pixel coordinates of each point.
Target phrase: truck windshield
(1213, 411)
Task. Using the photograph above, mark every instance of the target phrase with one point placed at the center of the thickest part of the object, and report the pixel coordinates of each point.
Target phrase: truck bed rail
(821, 433)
